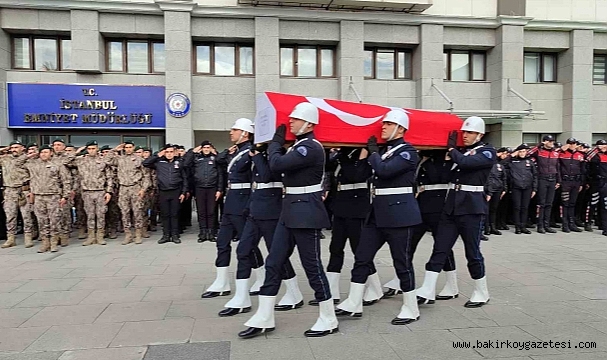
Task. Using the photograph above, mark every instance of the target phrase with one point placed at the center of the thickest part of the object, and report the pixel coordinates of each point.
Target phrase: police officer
(207, 178)
(598, 159)
(433, 175)
(573, 166)
(237, 198)
(394, 211)
(503, 209)
(172, 185)
(523, 185)
(302, 217)
(546, 157)
(584, 195)
(495, 189)
(464, 212)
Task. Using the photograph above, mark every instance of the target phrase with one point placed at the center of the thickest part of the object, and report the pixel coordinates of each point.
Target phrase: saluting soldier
(463, 213)
(32, 148)
(112, 215)
(50, 183)
(302, 218)
(133, 187)
(65, 226)
(152, 197)
(16, 188)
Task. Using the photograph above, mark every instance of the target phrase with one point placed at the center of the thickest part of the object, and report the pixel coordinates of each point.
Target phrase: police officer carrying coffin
(523, 184)
(237, 198)
(394, 211)
(546, 156)
(464, 212)
(433, 175)
(495, 189)
(301, 220)
(598, 160)
(172, 181)
(573, 170)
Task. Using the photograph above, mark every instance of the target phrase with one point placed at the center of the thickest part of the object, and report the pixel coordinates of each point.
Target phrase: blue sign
(178, 105)
(85, 106)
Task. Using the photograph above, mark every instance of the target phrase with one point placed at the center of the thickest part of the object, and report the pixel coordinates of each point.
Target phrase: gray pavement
(143, 302)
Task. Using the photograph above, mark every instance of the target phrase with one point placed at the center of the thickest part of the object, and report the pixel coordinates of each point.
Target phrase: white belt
(394, 191)
(342, 187)
(239, 186)
(422, 188)
(270, 185)
(469, 188)
(303, 189)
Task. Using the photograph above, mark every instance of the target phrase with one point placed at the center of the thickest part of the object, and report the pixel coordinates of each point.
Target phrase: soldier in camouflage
(65, 225)
(32, 148)
(140, 151)
(15, 189)
(152, 197)
(77, 204)
(133, 187)
(96, 182)
(112, 216)
(50, 188)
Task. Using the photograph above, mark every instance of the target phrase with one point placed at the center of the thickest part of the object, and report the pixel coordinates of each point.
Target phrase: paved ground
(120, 302)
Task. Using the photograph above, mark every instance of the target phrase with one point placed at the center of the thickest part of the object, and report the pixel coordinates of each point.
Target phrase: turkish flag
(349, 123)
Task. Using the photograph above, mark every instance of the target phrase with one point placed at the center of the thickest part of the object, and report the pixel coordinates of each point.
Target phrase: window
(387, 63)
(464, 65)
(598, 136)
(598, 71)
(41, 53)
(540, 67)
(135, 56)
(307, 61)
(224, 59)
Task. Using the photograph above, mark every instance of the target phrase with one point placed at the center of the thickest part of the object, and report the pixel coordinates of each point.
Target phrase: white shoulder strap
(236, 158)
(391, 151)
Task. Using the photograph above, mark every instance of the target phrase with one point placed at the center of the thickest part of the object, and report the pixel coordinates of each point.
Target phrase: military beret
(548, 138)
(92, 143)
(128, 142)
(58, 140)
(15, 142)
(105, 147)
(33, 144)
(522, 146)
(45, 147)
(145, 148)
(137, 148)
(155, 153)
(69, 145)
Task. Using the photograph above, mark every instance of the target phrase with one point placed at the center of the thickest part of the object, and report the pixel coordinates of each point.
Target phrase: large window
(135, 56)
(41, 53)
(464, 65)
(224, 59)
(307, 61)
(540, 67)
(598, 71)
(387, 63)
(598, 136)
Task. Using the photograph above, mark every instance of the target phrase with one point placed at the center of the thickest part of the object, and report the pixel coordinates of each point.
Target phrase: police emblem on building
(178, 105)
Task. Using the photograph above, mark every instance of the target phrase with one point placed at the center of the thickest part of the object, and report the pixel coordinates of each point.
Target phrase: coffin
(343, 123)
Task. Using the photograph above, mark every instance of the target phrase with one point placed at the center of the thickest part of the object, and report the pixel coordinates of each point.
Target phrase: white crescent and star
(346, 117)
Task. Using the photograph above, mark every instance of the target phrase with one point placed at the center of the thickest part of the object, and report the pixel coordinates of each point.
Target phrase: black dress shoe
(550, 230)
(288, 307)
(588, 227)
(525, 231)
(441, 297)
(340, 312)
(541, 231)
(390, 293)
(470, 304)
(424, 301)
(370, 302)
(318, 333)
(212, 294)
(575, 229)
(566, 230)
(487, 232)
(484, 238)
(518, 230)
(579, 223)
(252, 332)
(164, 239)
(399, 321)
(175, 239)
(496, 232)
(202, 238)
(233, 311)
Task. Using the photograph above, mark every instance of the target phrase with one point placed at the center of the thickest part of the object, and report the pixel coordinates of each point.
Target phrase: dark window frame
(237, 46)
(604, 57)
(376, 49)
(150, 43)
(542, 56)
(295, 64)
(470, 54)
(32, 50)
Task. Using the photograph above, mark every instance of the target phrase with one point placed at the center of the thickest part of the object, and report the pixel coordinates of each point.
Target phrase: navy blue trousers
(430, 223)
(230, 225)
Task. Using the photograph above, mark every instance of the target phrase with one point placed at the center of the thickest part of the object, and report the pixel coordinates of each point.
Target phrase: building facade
(530, 67)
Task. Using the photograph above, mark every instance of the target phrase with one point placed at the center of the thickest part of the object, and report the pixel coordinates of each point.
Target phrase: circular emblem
(178, 105)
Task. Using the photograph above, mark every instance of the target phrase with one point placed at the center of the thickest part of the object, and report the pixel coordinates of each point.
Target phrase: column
(6, 135)
(351, 59)
(428, 67)
(267, 55)
(575, 71)
(178, 75)
(505, 65)
(87, 43)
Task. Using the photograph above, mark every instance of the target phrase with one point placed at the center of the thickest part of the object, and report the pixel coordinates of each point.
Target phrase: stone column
(6, 135)
(178, 75)
(428, 67)
(87, 43)
(575, 72)
(351, 54)
(267, 55)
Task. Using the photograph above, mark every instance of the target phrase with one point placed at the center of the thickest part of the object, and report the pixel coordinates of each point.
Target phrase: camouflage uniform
(50, 181)
(78, 203)
(15, 191)
(148, 202)
(65, 224)
(131, 179)
(112, 216)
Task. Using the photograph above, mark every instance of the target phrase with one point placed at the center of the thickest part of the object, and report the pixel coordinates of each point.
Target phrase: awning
(405, 6)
